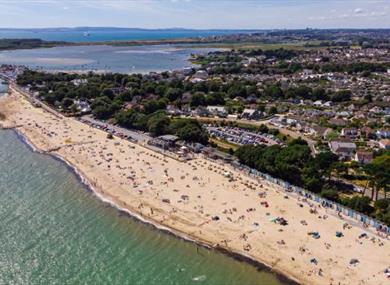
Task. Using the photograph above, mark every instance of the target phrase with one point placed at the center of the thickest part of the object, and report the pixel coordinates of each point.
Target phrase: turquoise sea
(55, 231)
(109, 34)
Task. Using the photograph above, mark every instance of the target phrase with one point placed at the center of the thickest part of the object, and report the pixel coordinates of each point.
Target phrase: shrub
(382, 204)
(330, 194)
(361, 204)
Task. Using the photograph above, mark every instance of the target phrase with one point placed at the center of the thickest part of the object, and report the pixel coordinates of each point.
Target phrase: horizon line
(189, 29)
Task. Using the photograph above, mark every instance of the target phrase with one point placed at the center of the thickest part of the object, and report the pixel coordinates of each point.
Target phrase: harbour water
(135, 59)
(55, 231)
(104, 34)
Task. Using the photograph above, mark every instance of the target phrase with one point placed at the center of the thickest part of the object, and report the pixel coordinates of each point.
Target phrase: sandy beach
(208, 202)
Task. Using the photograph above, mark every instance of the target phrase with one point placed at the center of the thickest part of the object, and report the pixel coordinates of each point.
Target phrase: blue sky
(245, 14)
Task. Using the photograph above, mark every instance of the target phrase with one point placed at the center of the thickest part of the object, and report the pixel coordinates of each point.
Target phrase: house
(251, 114)
(363, 156)
(187, 71)
(385, 144)
(200, 76)
(343, 148)
(247, 62)
(136, 100)
(78, 82)
(82, 106)
(328, 104)
(344, 114)
(251, 98)
(338, 122)
(219, 111)
(384, 133)
(376, 110)
(321, 132)
(307, 72)
(173, 110)
(349, 132)
(281, 121)
(351, 108)
(367, 132)
(201, 112)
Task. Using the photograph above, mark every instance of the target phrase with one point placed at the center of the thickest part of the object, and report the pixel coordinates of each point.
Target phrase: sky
(200, 14)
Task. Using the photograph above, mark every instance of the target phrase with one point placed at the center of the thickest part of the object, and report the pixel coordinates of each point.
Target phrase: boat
(86, 34)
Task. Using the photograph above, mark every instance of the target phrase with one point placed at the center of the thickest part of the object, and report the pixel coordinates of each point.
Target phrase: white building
(219, 111)
(82, 106)
(78, 82)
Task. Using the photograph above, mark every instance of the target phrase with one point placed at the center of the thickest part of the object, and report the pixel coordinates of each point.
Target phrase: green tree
(341, 96)
(102, 112)
(330, 194)
(198, 99)
(173, 94)
(273, 91)
(153, 106)
(193, 133)
(361, 204)
(378, 172)
(272, 111)
(263, 129)
(158, 125)
(108, 93)
(66, 103)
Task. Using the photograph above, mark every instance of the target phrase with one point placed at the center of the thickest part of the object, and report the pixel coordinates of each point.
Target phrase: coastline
(288, 280)
(182, 221)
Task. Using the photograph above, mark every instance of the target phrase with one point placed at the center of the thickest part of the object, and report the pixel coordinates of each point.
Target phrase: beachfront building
(165, 142)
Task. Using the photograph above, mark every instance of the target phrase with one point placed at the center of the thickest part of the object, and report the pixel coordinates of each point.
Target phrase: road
(140, 137)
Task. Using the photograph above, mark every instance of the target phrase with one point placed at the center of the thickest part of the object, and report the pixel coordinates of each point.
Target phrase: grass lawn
(224, 145)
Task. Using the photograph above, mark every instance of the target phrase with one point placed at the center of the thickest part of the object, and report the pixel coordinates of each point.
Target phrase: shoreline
(260, 266)
(215, 213)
